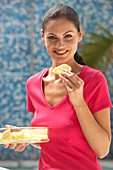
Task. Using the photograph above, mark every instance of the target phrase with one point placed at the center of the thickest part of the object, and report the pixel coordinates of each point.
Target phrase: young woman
(75, 104)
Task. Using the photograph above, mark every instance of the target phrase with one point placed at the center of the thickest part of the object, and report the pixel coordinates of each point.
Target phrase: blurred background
(23, 54)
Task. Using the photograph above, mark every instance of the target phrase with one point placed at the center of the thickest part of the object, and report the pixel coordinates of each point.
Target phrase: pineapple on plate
(17, 135)
(6, 135)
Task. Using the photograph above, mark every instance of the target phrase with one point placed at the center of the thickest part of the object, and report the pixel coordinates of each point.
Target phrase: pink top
(67, 149)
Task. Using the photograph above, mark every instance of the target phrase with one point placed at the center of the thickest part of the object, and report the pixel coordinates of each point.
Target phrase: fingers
(9, 126)
(6, 145)
(71, 80)
(12, 146)
(17, 147)
(70, 75)
(36, 145)
(67, 82)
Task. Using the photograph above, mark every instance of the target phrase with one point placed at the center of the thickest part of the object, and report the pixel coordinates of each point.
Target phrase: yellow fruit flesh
(25, 134)
(17, 135)
(6, 135)
(35, 134)
(59, 69)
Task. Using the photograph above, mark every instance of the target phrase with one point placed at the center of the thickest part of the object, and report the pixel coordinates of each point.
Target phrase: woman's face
(61, 39)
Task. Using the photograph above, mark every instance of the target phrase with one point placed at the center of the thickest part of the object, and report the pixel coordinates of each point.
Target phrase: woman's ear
(80, 34)
(42, 34)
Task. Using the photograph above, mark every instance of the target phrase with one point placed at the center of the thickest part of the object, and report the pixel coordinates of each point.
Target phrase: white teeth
(61, 52)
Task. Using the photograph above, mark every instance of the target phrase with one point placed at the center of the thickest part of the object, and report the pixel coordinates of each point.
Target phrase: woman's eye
(68, 36)
(51, 37)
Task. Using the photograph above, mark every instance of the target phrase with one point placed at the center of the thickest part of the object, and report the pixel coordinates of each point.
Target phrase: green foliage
(97, 51)
(96, 47)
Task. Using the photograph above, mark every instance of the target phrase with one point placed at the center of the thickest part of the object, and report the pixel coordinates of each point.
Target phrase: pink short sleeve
(99, 94)
(30, 106)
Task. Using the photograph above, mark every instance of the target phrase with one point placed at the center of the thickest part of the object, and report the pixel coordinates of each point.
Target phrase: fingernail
(12, 147)
(60, 76)
(6, 146)
(7, 126)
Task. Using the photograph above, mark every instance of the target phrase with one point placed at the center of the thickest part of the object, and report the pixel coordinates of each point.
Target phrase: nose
(59, 43)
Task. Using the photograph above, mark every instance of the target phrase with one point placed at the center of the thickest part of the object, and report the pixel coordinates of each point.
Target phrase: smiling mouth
(61, 52)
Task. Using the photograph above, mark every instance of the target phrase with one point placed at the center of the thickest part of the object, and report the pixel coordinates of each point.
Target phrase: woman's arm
(96, 127)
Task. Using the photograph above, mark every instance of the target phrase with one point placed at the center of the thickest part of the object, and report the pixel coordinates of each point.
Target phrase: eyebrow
(63, 34)
(68, 32)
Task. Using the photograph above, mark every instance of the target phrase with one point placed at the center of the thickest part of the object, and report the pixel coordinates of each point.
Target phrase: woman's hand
(16, 146)
(36, 145)
(74, 86)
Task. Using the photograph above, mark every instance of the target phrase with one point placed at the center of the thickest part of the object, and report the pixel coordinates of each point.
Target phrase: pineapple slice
(59, 69)
(38, 134)
(40, 137)
(26, 133)
(17, 135)
(40, 131)
(6, 135)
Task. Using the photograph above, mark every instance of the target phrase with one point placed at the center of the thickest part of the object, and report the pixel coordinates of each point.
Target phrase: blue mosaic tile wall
(17, 64)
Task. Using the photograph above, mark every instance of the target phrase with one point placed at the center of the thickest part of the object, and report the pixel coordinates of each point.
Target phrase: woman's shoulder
(36, 76)
(90, 74)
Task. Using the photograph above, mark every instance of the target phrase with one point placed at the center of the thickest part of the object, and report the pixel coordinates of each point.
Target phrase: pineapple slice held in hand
(59, 69)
